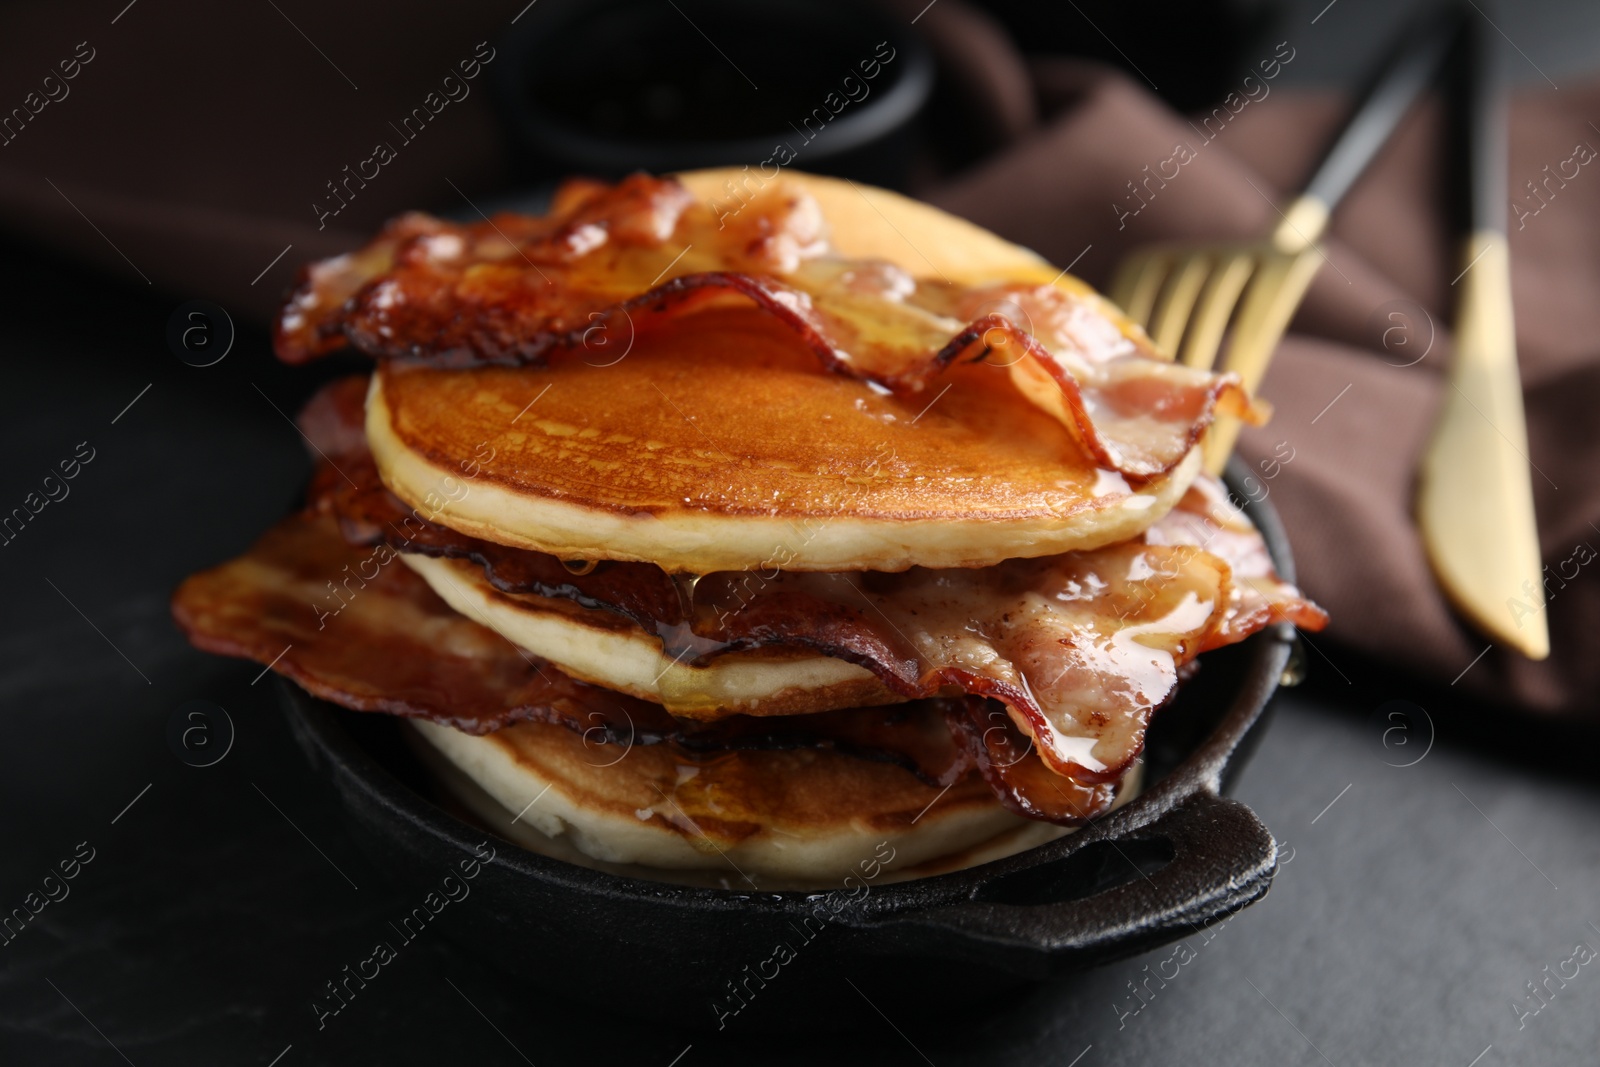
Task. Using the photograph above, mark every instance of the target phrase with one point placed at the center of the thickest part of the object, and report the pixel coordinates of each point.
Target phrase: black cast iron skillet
(1179, 857)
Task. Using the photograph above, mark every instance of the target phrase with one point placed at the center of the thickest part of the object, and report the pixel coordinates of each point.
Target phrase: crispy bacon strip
(357, 627)
(586, 217)
(1082, 647)
(393, 646)
(516, 290)
(1023, 782)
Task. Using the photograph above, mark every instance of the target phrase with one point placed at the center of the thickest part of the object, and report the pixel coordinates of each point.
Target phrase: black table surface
(1414, 906)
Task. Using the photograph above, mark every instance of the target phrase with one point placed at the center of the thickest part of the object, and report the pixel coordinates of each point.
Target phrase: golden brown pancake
(713, 446)
(605, 649)
(866, 222)
(711, 440)
(754, 819)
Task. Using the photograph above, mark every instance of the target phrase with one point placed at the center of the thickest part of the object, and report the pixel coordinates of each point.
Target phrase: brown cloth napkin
(1355, 396)
(188, 152)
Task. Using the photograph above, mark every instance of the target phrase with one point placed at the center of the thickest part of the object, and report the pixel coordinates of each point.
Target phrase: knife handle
(1485, 329)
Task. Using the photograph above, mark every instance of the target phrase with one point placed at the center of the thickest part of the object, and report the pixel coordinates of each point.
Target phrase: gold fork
(1186, 296)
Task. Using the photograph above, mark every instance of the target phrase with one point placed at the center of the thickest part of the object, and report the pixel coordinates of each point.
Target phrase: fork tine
(1268, 305)
(1138, 281)
(1216, 305)
(1170, 316)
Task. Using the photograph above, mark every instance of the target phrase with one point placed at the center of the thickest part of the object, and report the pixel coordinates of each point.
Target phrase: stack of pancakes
(747, 541)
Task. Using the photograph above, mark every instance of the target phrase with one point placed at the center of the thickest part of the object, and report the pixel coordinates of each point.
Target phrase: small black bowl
(616, 86)
(1175, 859)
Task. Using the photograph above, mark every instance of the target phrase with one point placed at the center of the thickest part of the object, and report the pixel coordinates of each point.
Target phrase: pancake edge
(627, 659)
(480, 774)
(699, 541)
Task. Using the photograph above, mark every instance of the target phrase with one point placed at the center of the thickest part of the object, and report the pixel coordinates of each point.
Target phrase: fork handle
(1406, 69)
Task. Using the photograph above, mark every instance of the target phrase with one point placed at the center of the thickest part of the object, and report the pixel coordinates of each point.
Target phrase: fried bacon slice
(1006, 758)
(389, 645)
(522, 290)
(1081, 647)
(393, 646)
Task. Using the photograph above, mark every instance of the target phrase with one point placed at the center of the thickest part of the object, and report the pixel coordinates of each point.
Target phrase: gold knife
(1475, 494)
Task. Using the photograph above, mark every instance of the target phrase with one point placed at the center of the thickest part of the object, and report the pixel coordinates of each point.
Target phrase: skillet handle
(1113, 894)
